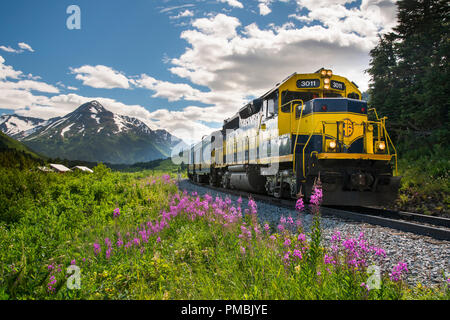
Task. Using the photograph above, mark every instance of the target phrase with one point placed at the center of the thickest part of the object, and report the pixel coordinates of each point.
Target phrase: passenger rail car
(308, 127)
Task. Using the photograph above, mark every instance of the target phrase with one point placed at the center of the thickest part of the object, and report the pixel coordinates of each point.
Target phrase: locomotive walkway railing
(381, 134)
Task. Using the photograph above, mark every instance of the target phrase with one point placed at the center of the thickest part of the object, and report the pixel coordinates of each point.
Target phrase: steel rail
(434, 227)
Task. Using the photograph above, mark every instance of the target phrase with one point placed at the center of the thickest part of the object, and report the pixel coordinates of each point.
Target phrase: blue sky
(179, 65)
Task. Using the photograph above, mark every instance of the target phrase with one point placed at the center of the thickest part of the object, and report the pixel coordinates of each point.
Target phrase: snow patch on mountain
(63, 131)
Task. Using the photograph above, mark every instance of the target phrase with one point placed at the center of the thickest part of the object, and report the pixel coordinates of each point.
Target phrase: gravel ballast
(426, 258)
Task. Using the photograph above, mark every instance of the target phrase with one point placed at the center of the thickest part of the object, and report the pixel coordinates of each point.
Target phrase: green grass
(56, 219)
(425, 184)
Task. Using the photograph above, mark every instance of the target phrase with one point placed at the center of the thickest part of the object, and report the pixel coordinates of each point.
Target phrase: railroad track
(434, 227)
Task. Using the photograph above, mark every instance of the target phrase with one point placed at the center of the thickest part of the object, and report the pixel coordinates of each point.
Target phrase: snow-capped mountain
(91, 133)
(18, 127)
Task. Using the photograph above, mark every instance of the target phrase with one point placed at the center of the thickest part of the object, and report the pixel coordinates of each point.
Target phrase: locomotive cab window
(272, 105)
(287, 96)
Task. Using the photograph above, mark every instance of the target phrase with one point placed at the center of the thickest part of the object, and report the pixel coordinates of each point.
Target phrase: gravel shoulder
(427, 258)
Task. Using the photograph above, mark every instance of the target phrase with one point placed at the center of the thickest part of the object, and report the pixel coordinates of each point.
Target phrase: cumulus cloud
(233, 3)
(101, 76)
(264, 8)
(8, 71)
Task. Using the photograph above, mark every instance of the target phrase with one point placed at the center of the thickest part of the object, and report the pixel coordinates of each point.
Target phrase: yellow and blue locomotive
(308, 127)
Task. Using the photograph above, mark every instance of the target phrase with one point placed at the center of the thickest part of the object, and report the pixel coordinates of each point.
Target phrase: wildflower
(398, 270)
(272, 237)
(97, 248)
(301, 237)
(290, 220)
(158, 240)
(73, 262)
(108, 253)
(299, 205)
(242, 250)
(116, 212)
(287, 243)
(280, 227)
(266, 227)
(119, 242)
(136, 241)
(316, 197)
(282, 220)
(50, 267)
(239, 201)
(298, 254)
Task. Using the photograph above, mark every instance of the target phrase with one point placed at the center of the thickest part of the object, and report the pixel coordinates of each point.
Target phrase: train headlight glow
(329, 73)
(326, 81)
(326, 86)
(331, 145)
(380, 146)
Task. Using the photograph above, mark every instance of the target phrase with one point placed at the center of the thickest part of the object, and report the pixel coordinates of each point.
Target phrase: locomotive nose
(361, 180)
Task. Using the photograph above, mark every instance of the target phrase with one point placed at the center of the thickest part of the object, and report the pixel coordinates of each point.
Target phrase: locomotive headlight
(323, 73)
(326, 81)
(331, 145)
(326, 86)
(380, 146)
(329, 73)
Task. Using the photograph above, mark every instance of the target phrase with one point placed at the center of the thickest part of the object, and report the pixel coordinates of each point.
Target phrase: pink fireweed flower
(239, 201)
(73, 262)
(119, 242)
(290, 220)
(158, 240)
(398, 271)
(280, 227)
(253, 206)
(242, 250)
(272, 237)
(266, 227)
(282, 220)
(97, 248)
(301, 237)
(136, 241)
(328, 259)
(299, 205)
(298, 254)
(116, 212)
(316, 197)
(108, 253)
(287, 243)
(50, 267)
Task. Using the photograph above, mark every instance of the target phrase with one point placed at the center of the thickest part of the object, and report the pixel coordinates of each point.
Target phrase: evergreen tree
(410, 74)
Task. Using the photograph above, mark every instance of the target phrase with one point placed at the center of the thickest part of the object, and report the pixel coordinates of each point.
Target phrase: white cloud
(101, 77)
(8, 71)
(168, 9)
(264, 8)
(28, 85)
(25, 46)
(22, 45)
(9, 49)
(184, 14)
(251, 59)
(233, 3)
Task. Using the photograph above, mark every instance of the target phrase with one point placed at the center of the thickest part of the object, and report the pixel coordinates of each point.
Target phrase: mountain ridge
(91, 133)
